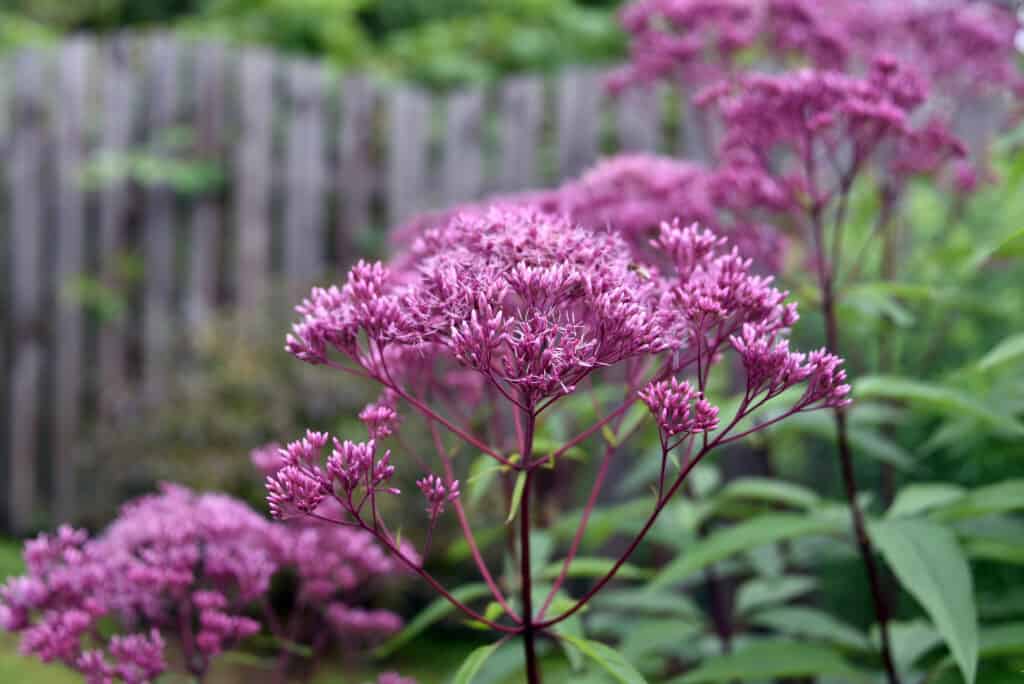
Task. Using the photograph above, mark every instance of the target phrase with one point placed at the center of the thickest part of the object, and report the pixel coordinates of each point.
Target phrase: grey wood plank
(463, 170)
(693, 140)
(356, 164)
(27, 306)
(252, 176)
(159, 225)
(71, 116)
(521, 118)
(638, 119)
(579, 117)
(206, 223)
(305, 177)
(409, 138)
(120, 100)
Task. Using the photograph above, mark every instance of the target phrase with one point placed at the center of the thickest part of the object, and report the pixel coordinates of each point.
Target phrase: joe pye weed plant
(538, 309)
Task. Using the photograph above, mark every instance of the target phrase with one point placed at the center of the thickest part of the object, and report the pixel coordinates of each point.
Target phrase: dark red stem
(529, 627)
(826, 280)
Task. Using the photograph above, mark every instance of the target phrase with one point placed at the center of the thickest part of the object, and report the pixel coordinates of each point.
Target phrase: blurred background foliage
(440, 43)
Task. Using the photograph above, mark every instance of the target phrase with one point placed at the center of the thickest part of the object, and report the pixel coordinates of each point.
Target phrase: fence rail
(217, 171)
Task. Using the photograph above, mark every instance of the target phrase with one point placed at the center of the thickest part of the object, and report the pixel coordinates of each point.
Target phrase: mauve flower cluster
(959, 45)
(698, 40)
(829, 124)
(535, 304)
(183, 565)
(529, 300)
(175, 561)
(632, 195)
(962, 48)
(332, 564)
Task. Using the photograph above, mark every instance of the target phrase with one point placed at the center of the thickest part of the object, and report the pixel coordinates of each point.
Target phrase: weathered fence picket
(159, 226)
(312, 165)
(409, 139)
(26, 194)
(579, 120)
(119, 105)
(252, 175)
(638, 121)
(71, 119)
(209, 88)
(357, 176)
(521, 117)
(463, 171)
(306, 175)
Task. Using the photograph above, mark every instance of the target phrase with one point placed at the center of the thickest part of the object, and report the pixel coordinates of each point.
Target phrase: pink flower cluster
(826, 126)
(960, 46)
(185, 565)
(176, 561)
(698, 40)
(678, 408)
(535, 304)
(529, 300)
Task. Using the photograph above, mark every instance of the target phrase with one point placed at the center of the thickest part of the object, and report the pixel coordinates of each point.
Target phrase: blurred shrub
(314, 27)
(240, 392)
(526, 35)
(438, 42)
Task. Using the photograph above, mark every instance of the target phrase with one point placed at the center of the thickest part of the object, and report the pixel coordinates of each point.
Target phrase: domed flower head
(528, 300)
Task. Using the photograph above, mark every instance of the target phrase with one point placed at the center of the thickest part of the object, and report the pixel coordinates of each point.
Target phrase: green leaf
(472, 664)
(910, 641)
(919, 498)
(995, 550)
(767, 591)
(636, 415)
(665, 636)
(591, 568)
(770, 490)
(864, 436)
(482, 475)
(931, 566)
(608, 659)
(1001, 497)
(995, 642)
(672, 603)
(437, 610)
(764, 529)
(1010, 349)
(517, 497)
(942, 399)
(1012, 246)
(800, 621)
(772, 658)
(572, 626)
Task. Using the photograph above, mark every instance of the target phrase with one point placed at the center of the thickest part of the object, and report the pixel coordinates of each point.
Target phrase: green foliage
(168, 164)
(441, 43)
(765, 529)
(930, 565)
(607, 659)
(436, 611)
(471, 666)
(773, 658)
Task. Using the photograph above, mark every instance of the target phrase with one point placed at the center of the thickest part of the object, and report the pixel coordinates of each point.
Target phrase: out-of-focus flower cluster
(632, 195)
(179, 565)
(176, 561)
(829, 125)
(957, 45)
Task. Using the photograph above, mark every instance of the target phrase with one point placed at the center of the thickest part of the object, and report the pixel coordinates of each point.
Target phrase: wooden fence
(217, 172)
